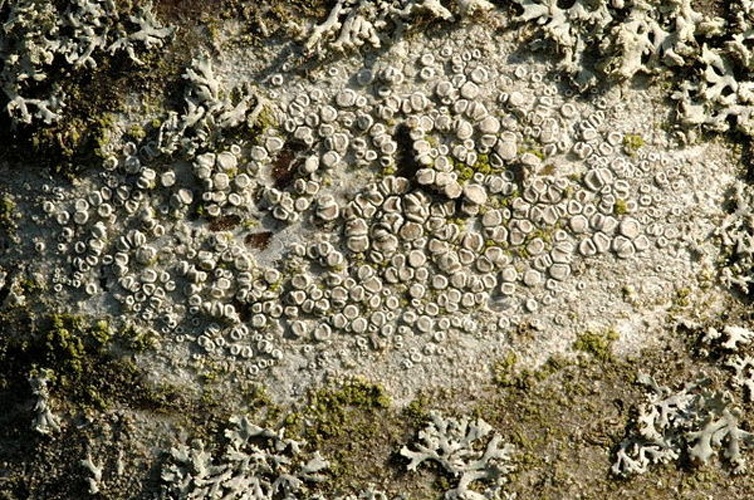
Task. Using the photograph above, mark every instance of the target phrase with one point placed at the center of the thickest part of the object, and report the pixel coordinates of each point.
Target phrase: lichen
(694, 421)
(38, 32)
(463, 449)
(414, 286)
(256, 460)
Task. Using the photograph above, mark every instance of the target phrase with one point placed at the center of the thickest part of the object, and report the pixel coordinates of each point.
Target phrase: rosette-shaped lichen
(571, 29)
(38, 35)
(355, 23)
(639, 36)
(736, 233)
(695, 421)
(211, 108)
(464, 449)
(258, 463)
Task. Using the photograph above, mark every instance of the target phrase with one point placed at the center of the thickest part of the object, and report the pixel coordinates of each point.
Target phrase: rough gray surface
(405, 207)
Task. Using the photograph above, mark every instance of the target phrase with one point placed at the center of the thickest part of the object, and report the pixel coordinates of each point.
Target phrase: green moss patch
(355, 427)
(632, 143)
(566, 418)
(597, 344)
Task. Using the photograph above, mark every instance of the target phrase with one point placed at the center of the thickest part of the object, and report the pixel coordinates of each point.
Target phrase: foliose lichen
(259, 462)
(464, 449)
(694, 422)
(39, 35)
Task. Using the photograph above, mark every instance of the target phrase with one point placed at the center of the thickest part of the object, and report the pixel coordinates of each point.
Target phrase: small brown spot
(285, 165)
(224, 222)
(711, 8)
(260, 241)
(407, 164)
(243, 309)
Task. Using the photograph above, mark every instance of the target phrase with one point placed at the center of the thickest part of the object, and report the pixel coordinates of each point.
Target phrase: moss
(681, 300)
(548, 169)
(110, 389)
(82, 351)
(536, 150)
(620, 207)
(266, 119)
(347, 422)
(79, 351)
(459, 222)
(69, 341)
(465, 173)
(503, 370)
(249, 223)
(597, 344)
(482, 164)
(506, 200)
(7, 209)
(329, 407)
(92, 96)
(136, 131)
(521, 253)
(416, 412)
(255, 397)
(545, 234)
(628, 292)
(386, 171)
(209, 376)
(101, 332)
(214, 29)
(682, 294)
(135, 338)
(33, 286)
(9, 216)
(276, 286)
(563, 426)
(632, 143)
(105, 128)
